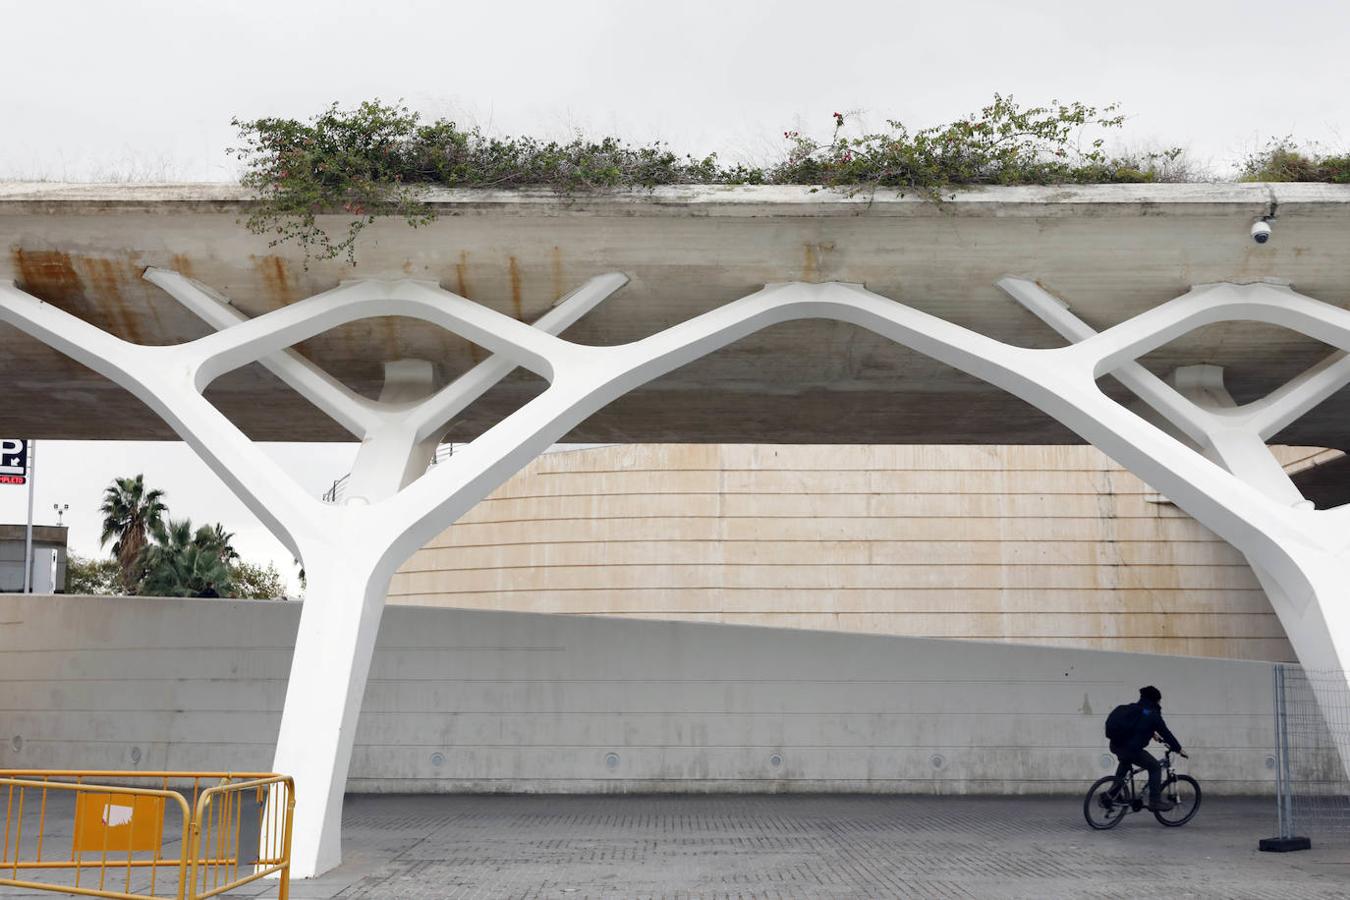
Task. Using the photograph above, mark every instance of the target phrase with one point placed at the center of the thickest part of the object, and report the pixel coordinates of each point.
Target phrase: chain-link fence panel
(1312, 748)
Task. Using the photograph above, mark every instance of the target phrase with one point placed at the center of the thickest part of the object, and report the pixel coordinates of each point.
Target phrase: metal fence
(1312, 750)
(137, 836)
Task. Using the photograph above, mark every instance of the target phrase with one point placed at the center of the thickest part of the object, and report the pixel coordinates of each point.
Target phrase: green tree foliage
(177, 560)
(93, 576)
(251, 582)
(183, 562)
(130, 513)
(378, 160)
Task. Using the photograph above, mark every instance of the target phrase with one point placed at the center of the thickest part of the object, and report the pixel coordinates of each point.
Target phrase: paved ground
(804, 847)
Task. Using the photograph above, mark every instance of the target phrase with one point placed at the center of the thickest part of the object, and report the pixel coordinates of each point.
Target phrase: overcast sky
(90, 89)
(146, 90)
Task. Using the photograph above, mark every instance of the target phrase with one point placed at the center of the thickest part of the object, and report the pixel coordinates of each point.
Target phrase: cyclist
(1130, 729)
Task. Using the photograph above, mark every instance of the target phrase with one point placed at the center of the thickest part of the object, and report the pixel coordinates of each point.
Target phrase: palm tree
(186, 563)
(216, 536)
(129, 513)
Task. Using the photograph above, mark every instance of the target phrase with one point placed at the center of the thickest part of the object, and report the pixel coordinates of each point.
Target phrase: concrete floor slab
(808, 846)
(827, 846)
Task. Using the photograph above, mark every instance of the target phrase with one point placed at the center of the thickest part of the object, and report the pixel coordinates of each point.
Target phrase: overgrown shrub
(377, 159)
(1284, 160)
(1002, 144)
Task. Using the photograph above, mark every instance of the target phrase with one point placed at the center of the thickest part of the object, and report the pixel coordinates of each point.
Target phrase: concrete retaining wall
(466, 700)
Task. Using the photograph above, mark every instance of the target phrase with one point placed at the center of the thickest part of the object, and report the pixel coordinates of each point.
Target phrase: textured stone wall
(1053, 545)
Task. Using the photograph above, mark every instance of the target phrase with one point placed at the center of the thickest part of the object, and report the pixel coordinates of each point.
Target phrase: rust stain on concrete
(88, 286)
(182, 264)
(48, 275)
(810, 265)
(813, 256)
(556, 270)
(462, 288)
(462, 275)
(276, 278)
(103, 277)
(513, 272)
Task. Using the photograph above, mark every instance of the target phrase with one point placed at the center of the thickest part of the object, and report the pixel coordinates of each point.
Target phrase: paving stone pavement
(805, 846)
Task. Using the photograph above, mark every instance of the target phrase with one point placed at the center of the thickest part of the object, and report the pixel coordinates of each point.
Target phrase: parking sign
(13, 461)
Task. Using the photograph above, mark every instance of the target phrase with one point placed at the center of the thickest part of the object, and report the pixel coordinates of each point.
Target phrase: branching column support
(1198, 406)
(351, 551)
(348, 567)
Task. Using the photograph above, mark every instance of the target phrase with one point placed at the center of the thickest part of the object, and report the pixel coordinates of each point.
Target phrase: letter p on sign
(13, 461)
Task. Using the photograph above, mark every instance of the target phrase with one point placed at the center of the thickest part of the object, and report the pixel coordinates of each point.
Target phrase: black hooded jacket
(1147, 723)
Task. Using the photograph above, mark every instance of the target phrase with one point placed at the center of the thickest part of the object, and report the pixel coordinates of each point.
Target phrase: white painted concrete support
(391, 456)
(348, 571)
(1197, 404)
(333, 648)
(1305, 551)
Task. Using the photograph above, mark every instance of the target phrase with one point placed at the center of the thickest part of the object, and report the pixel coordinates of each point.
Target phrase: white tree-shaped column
(350, 552)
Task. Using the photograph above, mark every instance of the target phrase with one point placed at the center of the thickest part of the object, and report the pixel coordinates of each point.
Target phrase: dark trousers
(1144, 760)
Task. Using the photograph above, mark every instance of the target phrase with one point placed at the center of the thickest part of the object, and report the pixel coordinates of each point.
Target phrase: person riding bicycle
(1130, 728)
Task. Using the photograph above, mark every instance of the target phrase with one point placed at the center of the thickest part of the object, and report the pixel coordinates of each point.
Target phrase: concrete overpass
(761, 314)
(1111, 251)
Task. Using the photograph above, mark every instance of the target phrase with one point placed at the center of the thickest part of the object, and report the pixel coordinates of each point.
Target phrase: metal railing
(100, 834)
(339, 488)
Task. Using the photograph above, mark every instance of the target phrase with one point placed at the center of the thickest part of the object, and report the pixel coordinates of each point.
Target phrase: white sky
(145, 90)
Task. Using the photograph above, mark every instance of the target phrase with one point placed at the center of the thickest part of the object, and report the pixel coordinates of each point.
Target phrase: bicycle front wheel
(1101, 808)
(1184, 791)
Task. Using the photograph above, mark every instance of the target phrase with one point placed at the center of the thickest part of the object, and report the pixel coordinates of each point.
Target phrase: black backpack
(1121, 724)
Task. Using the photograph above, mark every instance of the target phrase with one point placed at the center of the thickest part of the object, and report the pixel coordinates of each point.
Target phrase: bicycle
(1107, 803)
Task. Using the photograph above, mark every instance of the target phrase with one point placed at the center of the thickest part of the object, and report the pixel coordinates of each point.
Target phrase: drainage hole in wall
(438, 759)
(775, 760)
(611, 760)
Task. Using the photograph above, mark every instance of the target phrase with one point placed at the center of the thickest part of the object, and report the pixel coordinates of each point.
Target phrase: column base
(1284, 844)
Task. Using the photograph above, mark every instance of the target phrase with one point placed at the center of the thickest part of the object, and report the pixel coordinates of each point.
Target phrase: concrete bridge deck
(1112, 251)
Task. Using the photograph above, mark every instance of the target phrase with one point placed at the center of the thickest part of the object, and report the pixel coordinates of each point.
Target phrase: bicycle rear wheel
(1185, 791)
(1101, 808)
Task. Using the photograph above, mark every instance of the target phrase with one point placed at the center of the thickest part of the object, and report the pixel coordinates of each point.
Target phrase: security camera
(1261, 231)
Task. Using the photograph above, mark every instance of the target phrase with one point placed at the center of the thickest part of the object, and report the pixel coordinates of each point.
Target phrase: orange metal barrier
(117, 840)
(218, 847)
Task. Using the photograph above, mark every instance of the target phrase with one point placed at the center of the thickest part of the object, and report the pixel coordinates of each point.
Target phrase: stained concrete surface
(1112, 251)
(825, 846)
